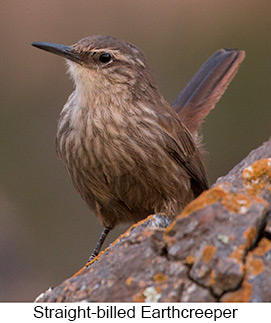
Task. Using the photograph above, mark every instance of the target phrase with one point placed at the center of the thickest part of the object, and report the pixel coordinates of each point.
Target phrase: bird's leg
(100, 242)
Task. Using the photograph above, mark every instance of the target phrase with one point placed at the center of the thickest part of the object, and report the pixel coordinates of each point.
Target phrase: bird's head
(104, 63)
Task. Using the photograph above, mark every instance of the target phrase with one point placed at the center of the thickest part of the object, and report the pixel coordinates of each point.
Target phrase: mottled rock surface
(217, 249)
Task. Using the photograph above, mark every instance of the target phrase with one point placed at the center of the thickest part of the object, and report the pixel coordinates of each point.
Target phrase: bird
(128, 152)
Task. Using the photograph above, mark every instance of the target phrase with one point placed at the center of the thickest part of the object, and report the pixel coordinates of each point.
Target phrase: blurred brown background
(46, 231)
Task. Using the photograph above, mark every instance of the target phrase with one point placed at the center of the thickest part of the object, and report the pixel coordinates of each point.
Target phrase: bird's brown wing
(182, 148)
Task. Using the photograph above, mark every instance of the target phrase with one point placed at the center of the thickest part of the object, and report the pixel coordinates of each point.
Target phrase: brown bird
(125, 148)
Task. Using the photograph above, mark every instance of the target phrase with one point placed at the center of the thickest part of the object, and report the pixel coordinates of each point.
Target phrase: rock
(217, 249)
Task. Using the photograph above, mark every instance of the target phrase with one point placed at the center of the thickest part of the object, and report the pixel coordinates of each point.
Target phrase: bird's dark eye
(105, 58)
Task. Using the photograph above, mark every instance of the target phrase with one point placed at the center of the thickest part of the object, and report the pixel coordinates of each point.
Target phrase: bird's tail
(206, 87)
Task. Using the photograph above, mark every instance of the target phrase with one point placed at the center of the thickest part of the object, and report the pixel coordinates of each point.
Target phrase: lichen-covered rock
(215, 243)
(256, 284)
(217, 249)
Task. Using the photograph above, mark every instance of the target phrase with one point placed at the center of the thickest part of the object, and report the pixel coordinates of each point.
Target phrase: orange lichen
(260, 200)
(206, 198)
(207, 253)
(243, 294)
(169, 230)
(238, 254)
(139, 297)
(189, 260)
(127, 232)
(79, 271)
(250, 235)
(236, 202)
(160, 278)
(263, 246)
(129, 281)
(257, 176)
(89, 263)
(86, 266)
(254, 266)
(212, 277)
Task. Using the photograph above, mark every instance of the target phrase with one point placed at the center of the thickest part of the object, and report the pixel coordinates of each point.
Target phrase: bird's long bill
(61, 50)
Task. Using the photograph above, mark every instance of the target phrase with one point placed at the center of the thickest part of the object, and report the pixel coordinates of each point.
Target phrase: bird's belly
(129, 183)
